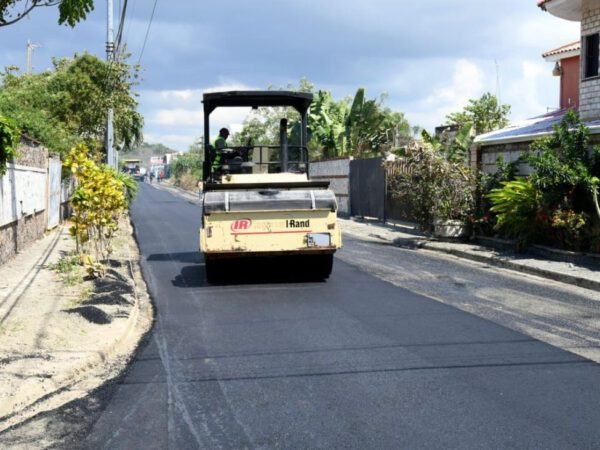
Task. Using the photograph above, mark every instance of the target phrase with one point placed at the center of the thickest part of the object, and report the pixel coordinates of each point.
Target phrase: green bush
(9, 140)
(518, 207)
(433, 187)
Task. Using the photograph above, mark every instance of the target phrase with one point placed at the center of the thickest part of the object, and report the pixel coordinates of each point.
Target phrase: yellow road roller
(259, 200)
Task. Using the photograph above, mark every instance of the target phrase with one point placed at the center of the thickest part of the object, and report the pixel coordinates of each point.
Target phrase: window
(592, 50)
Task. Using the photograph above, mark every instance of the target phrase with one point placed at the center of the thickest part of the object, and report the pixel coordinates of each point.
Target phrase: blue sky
(429, 56)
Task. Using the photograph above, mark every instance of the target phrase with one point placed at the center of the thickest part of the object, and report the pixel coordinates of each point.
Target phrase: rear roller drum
(214, 270)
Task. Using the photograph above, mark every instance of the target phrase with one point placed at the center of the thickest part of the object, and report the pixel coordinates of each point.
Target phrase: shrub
(518, 206)
(98, 202)
(433, 187)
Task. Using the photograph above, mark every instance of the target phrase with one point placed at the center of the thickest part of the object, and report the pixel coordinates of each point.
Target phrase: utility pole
(110, 55)
(30, 48)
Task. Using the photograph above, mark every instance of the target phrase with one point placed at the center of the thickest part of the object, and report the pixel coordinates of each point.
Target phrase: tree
(370, 127)
(326, 125)
(70, 12)
(453, 146)
(63, 106)
(483, 114)
(334, 128)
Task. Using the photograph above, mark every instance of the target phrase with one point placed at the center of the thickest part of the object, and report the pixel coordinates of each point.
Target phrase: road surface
(354, 362)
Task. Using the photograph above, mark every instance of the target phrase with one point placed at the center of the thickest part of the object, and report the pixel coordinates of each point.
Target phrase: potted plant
(454, 201)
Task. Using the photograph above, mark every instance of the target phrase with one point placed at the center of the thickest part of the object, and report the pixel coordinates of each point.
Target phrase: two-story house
(578, 66)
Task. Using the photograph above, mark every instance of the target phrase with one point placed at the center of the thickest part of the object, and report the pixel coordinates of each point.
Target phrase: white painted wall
(22, 192)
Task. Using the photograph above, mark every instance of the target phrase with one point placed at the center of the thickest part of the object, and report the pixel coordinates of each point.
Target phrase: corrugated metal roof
(529, 129)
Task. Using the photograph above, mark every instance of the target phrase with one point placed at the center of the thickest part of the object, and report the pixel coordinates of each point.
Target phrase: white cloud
(468, 81)
(176, 117)
(178, 142)
(545, 32)
(532, 90)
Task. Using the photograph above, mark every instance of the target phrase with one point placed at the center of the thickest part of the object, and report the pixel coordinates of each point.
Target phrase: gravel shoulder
(62, 336)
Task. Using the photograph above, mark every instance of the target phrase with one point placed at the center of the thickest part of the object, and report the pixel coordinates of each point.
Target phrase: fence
(30, 198)
(367, 188)
(361, 187)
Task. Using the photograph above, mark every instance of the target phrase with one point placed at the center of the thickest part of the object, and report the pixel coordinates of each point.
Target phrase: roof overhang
(565, 9)
(561, 56)
(564, 52)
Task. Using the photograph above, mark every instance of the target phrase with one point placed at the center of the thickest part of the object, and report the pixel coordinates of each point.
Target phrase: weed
(65, 264)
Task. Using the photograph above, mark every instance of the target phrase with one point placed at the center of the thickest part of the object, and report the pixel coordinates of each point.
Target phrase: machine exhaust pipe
(283, 140)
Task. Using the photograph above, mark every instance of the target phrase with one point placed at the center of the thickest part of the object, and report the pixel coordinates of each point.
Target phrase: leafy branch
(9, 140)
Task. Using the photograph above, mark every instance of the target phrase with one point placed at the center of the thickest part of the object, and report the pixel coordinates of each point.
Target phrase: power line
(129, 24)
(147, 32)
(121, 25)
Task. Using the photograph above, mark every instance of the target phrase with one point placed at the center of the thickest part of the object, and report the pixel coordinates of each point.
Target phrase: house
(578, 65)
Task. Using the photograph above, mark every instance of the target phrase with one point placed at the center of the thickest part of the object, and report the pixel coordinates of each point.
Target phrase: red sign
(241, 225)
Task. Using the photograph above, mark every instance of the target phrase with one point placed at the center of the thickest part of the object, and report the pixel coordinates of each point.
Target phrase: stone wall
(337, 172)
(589, 90)
(17, 235)
(32, 154)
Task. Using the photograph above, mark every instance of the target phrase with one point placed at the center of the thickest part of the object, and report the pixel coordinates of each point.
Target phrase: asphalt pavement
(354, 362)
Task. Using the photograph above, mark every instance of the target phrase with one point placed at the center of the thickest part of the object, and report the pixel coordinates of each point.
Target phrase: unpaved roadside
(62, 336)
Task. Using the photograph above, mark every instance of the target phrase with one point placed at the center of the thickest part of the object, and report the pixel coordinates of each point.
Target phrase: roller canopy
(254, 99)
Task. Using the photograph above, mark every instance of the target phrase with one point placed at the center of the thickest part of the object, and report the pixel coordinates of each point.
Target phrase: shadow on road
(255, 271)
(184, 257)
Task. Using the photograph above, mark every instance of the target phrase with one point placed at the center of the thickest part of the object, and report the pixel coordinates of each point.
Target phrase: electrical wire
(147, 32)
(121, 25)
(129, 24)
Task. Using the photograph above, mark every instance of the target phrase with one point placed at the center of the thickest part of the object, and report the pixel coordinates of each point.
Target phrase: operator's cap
(224, 131)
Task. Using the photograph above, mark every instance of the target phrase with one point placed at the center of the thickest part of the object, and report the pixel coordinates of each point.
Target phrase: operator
(219, 144)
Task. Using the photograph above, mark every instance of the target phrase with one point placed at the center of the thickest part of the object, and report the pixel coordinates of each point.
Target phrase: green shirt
(218, 144)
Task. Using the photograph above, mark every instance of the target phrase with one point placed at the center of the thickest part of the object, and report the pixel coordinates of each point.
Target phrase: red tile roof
(573, 46)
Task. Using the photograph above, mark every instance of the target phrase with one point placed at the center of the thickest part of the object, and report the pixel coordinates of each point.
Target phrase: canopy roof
(299, 100)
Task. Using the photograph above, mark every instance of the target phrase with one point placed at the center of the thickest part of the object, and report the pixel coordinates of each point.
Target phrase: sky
(428, 56)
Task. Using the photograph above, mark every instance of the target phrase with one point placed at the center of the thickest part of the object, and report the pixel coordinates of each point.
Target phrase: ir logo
(241, 224)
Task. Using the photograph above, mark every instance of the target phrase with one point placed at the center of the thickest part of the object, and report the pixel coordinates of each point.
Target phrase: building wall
(337, 172)
(485, 157)
(23, 191)
(589, 91)
(569, 83)
(489, 155)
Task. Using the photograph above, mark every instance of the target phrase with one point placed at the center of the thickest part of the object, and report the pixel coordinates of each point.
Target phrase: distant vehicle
(134, 168)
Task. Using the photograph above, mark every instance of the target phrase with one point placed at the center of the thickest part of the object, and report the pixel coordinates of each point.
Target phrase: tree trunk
(595, 198)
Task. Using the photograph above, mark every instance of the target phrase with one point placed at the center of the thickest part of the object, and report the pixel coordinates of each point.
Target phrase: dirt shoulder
(62, 335)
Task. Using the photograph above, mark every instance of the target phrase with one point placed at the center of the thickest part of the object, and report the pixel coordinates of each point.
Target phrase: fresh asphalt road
(352, 362)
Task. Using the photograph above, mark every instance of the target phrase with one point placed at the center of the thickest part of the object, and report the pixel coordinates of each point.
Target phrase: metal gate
(54, 191)
(367, 188)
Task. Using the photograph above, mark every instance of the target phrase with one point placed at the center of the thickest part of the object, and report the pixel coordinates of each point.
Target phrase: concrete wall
(509, 152)
(589, 90)
(23, 199)
(485, 157)
(337, 172)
